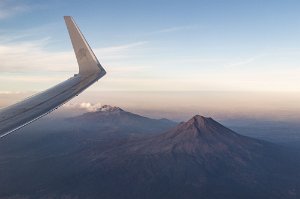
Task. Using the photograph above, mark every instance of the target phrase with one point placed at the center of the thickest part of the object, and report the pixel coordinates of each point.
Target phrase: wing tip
(86, 59)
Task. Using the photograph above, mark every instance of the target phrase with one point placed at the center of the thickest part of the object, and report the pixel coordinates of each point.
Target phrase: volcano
(199, 158)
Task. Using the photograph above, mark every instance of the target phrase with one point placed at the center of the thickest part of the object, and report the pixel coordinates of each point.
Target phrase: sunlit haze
(163, 58)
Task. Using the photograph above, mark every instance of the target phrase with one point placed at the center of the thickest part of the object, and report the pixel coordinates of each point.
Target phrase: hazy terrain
(113, 153)
(283, 133)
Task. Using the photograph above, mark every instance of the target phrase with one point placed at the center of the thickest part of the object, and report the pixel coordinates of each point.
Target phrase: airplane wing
(20, 114)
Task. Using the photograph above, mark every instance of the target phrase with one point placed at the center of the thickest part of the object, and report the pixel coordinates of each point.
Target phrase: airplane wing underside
(31, 109)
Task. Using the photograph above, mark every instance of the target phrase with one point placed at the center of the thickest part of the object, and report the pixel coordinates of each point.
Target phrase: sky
(156, 46)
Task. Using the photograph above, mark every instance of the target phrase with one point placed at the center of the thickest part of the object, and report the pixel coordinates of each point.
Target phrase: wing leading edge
(90, 70)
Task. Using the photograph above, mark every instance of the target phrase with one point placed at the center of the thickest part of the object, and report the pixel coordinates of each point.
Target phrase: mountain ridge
(116, 120)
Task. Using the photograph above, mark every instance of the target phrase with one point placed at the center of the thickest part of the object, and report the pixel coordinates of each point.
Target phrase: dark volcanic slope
(197, 159)
(203, 136)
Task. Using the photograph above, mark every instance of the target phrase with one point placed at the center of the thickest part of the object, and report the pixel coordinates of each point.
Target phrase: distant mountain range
(199, 158)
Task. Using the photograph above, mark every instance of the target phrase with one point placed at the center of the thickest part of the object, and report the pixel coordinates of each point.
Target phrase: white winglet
(86, 59)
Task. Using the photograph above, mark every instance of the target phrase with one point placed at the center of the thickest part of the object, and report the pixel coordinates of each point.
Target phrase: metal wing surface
(90, 70)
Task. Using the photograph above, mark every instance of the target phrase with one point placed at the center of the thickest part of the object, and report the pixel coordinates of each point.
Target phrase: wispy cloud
(9, 36)
(245, 61)
(26, 60)
(10, 8)
(119, 51)
(30, 78)
(173, 29)
(10, 92)
(33, 56)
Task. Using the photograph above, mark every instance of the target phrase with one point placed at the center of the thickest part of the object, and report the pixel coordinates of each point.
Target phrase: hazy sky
(241, 57)
(170, 45)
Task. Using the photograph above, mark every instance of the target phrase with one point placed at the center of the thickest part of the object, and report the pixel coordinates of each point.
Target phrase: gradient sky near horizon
(158, 45)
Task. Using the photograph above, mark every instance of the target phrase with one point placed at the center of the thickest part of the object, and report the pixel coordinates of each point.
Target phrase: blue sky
(211, 45)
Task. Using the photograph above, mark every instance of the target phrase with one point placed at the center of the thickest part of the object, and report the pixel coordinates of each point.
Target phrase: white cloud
(87, 106)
